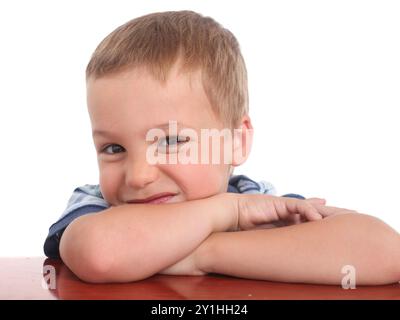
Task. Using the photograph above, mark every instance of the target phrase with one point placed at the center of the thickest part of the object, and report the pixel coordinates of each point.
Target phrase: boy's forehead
(138, 97)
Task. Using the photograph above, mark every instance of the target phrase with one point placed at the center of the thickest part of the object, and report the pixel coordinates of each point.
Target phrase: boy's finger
(312, 213)
(304, 208)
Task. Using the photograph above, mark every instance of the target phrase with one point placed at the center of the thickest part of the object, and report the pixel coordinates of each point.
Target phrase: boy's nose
(139, 173)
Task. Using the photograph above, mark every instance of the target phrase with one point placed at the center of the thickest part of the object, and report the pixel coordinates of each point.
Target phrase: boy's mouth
(157, 198)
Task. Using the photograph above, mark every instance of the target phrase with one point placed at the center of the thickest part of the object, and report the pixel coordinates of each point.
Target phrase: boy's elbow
(396, 265)
(384, 245)
(81, 251)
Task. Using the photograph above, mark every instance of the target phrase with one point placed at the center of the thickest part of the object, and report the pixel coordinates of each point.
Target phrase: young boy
(155, 212)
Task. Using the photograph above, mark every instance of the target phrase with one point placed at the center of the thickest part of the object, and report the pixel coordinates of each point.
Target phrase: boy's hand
(293, 219)
(260, 210)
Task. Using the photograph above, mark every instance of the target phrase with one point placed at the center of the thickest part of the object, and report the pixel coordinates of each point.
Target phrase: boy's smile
(123, 107)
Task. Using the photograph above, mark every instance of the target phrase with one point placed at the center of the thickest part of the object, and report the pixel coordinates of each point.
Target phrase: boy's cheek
(199, 181)
(109, 191)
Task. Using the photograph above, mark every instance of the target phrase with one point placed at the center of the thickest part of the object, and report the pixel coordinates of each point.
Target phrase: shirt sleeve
(86, 199)
(268, 188)
(294, 195)
(243, 184)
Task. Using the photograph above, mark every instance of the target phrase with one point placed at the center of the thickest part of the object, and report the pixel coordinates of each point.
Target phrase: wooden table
(24, 278)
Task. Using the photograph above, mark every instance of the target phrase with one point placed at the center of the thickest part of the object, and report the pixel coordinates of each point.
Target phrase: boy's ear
(242, 141)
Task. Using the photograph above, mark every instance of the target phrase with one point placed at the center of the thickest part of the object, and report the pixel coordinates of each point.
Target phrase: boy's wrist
(225, 212)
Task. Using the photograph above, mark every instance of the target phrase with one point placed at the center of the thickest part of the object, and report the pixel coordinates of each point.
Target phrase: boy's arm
(312, 252)
(134, 241)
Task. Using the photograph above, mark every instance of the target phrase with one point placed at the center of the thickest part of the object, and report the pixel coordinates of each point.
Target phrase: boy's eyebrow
(163, 125)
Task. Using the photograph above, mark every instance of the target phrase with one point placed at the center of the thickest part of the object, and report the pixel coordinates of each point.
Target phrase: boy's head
(177, 66)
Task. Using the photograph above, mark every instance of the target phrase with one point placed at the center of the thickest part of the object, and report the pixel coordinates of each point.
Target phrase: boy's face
(126, 106)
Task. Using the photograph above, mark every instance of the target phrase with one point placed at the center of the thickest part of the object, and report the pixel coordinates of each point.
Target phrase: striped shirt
(88, 199)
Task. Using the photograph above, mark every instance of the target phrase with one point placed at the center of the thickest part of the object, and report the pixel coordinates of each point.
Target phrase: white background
(324, 85)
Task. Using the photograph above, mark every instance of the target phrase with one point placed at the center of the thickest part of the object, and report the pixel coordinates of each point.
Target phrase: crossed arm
(312, 252)
(132, 242)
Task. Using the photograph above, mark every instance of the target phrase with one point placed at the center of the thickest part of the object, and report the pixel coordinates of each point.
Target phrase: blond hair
(156, 41)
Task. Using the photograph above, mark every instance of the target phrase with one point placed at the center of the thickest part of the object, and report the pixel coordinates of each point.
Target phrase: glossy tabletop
(41, 278)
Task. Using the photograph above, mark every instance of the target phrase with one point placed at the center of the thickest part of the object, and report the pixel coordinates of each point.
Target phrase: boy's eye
(167, 144)
(170, 143)
(115, 148)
